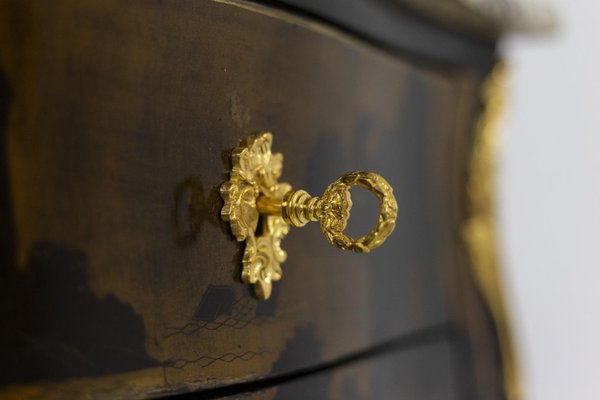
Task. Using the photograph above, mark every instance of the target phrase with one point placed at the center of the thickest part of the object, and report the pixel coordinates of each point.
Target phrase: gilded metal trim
(256, 170)
(479, 231)
(490, 16)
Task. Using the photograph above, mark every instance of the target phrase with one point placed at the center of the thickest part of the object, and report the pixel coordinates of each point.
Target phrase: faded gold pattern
(253, 190)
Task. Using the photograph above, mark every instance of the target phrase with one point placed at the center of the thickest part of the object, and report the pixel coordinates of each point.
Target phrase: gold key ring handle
(335, 207)
(254, 194)
(333, 210)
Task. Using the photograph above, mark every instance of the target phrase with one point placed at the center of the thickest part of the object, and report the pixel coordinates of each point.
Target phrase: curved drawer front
(120, 117)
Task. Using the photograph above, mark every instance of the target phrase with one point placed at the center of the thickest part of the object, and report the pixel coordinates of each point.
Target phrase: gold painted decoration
(253, 192)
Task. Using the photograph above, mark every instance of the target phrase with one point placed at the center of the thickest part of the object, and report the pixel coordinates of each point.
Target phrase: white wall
(550, 204)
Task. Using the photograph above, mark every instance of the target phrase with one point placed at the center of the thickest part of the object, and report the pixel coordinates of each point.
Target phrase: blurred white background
(550, 204)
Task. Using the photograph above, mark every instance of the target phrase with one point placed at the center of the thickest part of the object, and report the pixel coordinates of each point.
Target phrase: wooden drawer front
(121, 277)
(425, 372)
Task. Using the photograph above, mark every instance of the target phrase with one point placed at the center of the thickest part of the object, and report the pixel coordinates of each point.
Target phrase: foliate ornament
(263, 257)
(255, 171)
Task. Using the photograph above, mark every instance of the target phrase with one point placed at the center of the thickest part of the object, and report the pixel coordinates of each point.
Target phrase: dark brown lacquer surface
(118, 278)
(424, 373)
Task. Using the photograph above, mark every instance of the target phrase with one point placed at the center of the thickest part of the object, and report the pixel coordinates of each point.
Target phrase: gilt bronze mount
(253, 191)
